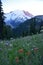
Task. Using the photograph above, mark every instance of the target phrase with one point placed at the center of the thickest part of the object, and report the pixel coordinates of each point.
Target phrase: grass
(23, 51)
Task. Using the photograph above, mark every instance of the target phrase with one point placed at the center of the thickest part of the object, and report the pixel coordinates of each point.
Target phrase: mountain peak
(16, 17)
(27, 13)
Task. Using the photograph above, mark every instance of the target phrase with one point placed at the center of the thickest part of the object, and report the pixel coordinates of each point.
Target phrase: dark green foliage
(25, 33)
(7, 32)
(4, 31)
(32, 26)
(1, 21)
(23, 29)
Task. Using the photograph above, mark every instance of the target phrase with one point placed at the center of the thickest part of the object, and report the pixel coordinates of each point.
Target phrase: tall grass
(23, 51)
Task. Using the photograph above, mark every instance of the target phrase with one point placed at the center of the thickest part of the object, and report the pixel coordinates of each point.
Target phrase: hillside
(23, 51)
(30, 26)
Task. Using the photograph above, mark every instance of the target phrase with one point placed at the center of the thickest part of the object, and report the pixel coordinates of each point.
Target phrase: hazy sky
(33, 6)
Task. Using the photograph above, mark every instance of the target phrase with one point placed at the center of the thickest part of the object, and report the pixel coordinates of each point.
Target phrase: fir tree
(1, 21)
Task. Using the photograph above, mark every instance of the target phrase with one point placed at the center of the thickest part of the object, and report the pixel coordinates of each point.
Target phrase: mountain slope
(32, 25)
(16, 17)
(39, 18)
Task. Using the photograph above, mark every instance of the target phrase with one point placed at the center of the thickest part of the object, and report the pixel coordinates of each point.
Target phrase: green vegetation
(1, 20)
(23, 51)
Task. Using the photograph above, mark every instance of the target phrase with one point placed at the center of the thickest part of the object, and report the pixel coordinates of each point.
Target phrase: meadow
(22, 51)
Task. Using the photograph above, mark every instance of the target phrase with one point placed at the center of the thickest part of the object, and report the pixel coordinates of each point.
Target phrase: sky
(34, 7)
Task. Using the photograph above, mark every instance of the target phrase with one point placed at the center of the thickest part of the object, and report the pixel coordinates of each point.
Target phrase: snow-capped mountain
(14, 18)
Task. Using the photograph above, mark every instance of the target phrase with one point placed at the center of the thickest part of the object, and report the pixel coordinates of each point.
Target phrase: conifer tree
(1, 21)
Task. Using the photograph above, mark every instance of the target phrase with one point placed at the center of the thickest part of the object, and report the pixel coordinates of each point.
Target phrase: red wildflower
(20, 50)
(28, 53)
(35, 49)
(17, 59)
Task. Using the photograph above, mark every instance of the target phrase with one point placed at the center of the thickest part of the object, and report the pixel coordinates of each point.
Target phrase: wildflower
(1, 41)
(11, 38)
(35, 49)
(28, 53)
(7, 43)
(17, 59)
(32, 49)
(10, 45)
(20, 50)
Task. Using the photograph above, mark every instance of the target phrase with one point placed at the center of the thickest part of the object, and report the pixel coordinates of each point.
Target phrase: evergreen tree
(1, 21)
(32, 26)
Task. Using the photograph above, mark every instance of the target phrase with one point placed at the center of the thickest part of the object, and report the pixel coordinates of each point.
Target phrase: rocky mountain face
(14, 18)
